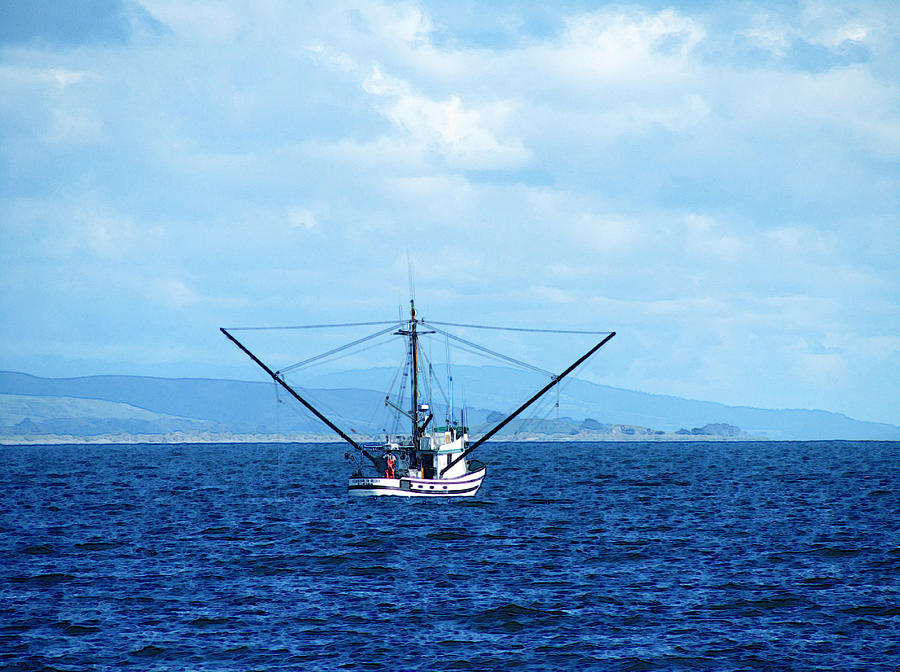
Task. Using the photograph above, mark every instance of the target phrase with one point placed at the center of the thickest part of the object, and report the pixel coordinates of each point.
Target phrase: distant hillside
(159, 405)
(234, 406)
(28, 415)
(501, 388)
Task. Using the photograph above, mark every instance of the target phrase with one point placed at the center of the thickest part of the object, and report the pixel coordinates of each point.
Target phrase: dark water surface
(605, 556)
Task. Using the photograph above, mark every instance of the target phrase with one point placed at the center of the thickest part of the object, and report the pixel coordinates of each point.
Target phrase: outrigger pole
(528, 403)
(278, 379)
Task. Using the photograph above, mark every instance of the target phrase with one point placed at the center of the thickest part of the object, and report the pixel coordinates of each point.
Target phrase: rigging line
(337, 350)
(463, 348)
(434, 378)
(401, 393)
(315, 326)
(390, 388)
(573, 377)
(379, 415)
(337, 430)
(339, 356)
(535, 397)
(538, 331)
(557, 443)
(541, 411)
(531, 424)
(339, 413)
(277, 409)
(320, 403)
(507, 358)
(390, 391)
(437, 383)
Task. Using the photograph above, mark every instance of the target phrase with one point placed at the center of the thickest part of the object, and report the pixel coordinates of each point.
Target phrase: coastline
(205, 437)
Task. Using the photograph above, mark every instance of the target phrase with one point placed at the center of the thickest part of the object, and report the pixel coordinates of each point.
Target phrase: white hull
(462, 486)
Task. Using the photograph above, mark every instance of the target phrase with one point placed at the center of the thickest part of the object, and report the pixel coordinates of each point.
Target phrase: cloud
(718, 183)
(833, 28)
(554, 295)
(301, 218)
(814, 346)
(795, 240)
(616, 41)
(203, 21)
(108, 237)
(174, 293)
(465, 137)
(705, 238)
(607, 235)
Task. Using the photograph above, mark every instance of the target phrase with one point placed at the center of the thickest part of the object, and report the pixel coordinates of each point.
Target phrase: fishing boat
(430, 461)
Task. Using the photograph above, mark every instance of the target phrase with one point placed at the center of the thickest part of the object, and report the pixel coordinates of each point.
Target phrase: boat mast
(413, 344)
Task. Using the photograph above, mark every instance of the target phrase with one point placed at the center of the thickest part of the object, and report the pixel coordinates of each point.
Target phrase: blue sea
(573, 556)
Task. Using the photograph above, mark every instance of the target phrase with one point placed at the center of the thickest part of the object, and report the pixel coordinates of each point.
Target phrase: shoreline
(180, 438)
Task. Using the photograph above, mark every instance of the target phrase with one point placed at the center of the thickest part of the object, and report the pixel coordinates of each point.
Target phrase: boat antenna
(450, 382)
(414, 349)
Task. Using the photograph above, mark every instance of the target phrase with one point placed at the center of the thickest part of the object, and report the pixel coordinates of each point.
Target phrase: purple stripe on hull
(447, 481)
(416, 492)
(415, 487)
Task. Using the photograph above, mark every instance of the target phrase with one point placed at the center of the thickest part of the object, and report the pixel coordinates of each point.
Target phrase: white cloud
(403, 23)
(73, 125)
(720, 210)
(301, 218)
(605, 234)
(821, 23)
(465, 136)
(108, 236)
(797, 240)
(545, 294)
(705, 238)
(831, 24)
(175, 293)
(59, 77)
(617, 40)
(204, 20)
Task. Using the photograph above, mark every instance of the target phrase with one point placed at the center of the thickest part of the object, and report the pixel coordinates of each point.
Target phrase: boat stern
(366, 486)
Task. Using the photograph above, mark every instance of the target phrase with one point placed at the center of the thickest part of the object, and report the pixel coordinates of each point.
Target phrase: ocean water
(581, 556)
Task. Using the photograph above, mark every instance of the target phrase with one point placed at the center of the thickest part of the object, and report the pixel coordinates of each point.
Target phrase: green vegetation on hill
(33, 415)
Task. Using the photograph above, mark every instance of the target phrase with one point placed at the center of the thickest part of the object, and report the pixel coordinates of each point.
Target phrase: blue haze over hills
(146, 405)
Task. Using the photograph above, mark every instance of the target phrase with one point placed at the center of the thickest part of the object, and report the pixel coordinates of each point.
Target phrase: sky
(719, 183)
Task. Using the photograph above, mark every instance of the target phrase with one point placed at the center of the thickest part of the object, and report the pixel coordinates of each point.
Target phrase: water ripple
(631, 556)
